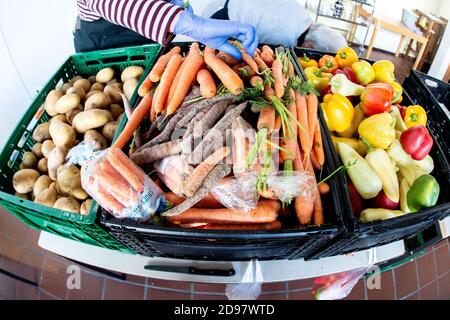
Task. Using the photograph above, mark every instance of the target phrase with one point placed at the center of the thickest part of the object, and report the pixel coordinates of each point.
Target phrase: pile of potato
(82, 110)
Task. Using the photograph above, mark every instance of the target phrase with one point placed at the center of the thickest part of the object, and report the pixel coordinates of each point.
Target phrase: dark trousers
(102, 34)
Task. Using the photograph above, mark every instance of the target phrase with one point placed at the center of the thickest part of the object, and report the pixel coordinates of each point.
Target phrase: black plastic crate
(363, 236)
(437, 89)
(159, 241)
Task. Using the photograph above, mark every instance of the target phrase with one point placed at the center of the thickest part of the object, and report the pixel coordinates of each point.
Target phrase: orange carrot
(229, 60)
(126, 168)
(318, 217)
(162, 91)
(208, 87)
(208, 202)
(266, 48)
(194, 62)
(138, 115)
(145, 87)
(153, 114)
(268, 92)
(173, 86)
(276, 225)
(289, 141)
(107, 201)
(318, 145)
(324, 188)
(267, 58)
(302, 118)
(256, 81)
(266, 119)
(291, 69)
(228, 77)
(304, 205)
(195, 179)
(277, 71)
(161, 64)
(249, 60)
(209, 50)
(265, 212)
(312, 104)
(314, 161)
(246, 72)
(277, 123)
(260, 62)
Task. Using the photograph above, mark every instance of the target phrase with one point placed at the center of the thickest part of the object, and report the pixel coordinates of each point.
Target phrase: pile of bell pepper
(384, 146)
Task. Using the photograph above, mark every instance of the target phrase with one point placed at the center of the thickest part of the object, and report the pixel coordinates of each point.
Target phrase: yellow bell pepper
(345, 57)
(384, 71)
(307, 62)
(318, 78)
(378, 130)
(398, 92)
(415, 116)
(338, 112)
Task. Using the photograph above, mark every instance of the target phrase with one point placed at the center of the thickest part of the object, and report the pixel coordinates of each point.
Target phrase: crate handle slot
(194, 271)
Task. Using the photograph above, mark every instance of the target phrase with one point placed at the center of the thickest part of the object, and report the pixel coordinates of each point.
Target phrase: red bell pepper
(376, 99)
(402, 111)
(417, 142)
(382, 201)
(348, 72)
(355, 199)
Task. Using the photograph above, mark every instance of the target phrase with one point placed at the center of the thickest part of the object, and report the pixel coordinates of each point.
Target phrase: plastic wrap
(286, 186)
(117, 184)
(250, 286)
(173, 171)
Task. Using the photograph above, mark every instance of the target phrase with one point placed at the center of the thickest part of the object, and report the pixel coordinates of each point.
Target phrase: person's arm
(152, 19)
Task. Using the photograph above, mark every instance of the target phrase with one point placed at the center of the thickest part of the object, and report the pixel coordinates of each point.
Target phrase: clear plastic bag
(286, 186)
(250, 286)
(117, 184)
(173, 171)
(338, 286)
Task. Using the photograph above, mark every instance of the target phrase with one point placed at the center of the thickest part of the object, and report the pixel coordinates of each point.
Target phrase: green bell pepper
(423, 194)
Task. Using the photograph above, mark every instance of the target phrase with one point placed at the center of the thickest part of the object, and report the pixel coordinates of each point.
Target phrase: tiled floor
(428, 277)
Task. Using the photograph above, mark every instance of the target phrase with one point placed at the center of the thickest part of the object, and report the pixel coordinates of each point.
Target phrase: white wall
(32, 47)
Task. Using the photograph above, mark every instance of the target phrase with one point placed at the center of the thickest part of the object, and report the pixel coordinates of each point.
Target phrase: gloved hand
(181, 3)
(215, 33)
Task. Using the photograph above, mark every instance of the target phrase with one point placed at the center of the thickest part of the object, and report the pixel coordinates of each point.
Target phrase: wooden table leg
(400, 46)
(372, 41)
(419, 56)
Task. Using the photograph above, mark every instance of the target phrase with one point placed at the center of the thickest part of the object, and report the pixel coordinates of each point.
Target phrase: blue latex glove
(181, 3)
(216, 33)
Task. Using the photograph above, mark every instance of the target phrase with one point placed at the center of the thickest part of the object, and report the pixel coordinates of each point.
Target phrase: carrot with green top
(277, 72)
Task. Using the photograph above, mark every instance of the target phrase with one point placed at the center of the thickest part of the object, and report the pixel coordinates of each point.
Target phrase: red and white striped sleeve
(151, 18)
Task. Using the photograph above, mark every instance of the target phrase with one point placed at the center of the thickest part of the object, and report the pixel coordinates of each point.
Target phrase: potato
(91, 119)
(59, 117)
(129, 87)
(105, 75)
(41, 132)
(37, 150)
(29, 159)
(92, 79)
(56, 158)
(42, 166)
(91, 93)
(86, 207)
(79, 194)
(74, 79)
(98, 101)
(67, 204)
(77, 90)
(65, 87)
(47, 197)
(72, 113)
(131, 72)
(23, 180)
(23, 166)
(113, 93)
(50, 101)
(109, 130)
(63, 135)
(47, 147)
(96, 139)
(67, 102)
(23, 196)
(68, 178)
(97, 87)
(116, 84)
(83, 83)
(53, 186)
(116, 110)
(42, 183)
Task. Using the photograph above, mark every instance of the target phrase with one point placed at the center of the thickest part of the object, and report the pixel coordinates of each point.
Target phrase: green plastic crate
(59, 222)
